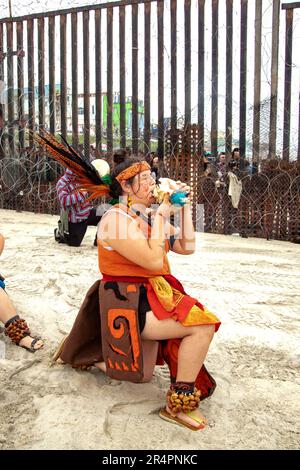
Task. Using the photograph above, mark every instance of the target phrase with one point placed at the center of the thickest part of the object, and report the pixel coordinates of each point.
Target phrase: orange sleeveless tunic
(114, 264)
(182, 307)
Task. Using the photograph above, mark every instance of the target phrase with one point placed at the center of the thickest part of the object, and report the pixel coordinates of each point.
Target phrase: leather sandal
(16, 329)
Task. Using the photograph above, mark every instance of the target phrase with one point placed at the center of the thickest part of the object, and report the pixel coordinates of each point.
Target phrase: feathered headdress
(92, 177)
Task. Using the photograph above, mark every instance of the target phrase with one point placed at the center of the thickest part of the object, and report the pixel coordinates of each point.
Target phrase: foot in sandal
(182, 407)
(17, 330)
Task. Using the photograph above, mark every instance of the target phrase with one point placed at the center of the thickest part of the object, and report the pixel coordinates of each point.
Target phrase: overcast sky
(34, 6)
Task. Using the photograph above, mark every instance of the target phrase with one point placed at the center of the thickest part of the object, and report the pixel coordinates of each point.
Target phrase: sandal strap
(11, 320)
(31, 348)
(33, 342)
(16, 329)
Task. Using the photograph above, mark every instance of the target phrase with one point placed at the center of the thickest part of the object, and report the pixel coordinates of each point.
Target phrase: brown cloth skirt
(83, 346)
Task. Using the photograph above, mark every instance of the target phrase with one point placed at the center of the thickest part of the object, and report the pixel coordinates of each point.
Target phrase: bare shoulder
(114, 215)
(116, 224)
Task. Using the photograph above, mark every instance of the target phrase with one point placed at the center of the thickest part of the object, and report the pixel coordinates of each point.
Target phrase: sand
(251, 284)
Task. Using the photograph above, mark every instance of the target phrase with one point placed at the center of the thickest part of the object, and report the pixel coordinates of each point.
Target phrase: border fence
(91, 48)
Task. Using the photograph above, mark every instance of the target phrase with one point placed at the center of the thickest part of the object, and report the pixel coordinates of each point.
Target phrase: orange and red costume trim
(181, 310)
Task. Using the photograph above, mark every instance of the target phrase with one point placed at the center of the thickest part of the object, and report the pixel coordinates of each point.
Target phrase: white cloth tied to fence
(235, 189)
(2, 92)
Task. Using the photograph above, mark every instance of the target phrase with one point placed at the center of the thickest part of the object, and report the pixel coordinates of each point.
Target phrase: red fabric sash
(182, 309)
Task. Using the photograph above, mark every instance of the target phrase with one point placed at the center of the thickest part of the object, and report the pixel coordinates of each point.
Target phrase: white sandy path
(252, 284)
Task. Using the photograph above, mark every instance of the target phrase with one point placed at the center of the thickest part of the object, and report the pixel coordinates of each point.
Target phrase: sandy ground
(252, 284)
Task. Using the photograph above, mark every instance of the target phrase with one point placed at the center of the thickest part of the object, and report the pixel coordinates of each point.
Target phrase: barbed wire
(269, 204)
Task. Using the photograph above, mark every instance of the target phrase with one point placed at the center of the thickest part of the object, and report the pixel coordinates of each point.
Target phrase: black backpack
(61, 233)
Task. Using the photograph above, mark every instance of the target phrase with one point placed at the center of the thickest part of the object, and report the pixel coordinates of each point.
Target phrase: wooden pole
(10, 8)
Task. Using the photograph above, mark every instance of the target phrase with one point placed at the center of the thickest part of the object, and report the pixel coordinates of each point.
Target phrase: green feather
(106, 179)
(112, 202)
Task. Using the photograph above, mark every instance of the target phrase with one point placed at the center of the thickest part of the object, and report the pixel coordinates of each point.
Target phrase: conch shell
(170, 187)
(165, 186)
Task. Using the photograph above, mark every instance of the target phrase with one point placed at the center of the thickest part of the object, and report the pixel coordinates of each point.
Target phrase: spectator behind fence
(92, 155)
(76, 213)
(15, 327)
(209, 168)
(154, 168)
(222, 166)
(234, 162)
(206, 165)
(235, 155)
(128, 151)
(119, 156)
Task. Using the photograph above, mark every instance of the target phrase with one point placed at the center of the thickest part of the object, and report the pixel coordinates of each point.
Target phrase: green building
(128, 114)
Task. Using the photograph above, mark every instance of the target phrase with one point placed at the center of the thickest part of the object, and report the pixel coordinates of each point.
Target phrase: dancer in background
(78, 212)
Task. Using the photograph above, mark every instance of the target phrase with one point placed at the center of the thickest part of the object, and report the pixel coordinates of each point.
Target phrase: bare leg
(192, 351)
(150, 349)
(7, 311)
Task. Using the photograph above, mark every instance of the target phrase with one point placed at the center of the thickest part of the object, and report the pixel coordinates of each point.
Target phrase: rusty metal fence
(51, 61)
(93, 47)
(269, 204)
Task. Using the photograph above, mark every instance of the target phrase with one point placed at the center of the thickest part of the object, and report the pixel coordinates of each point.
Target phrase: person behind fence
(235, 158)
(155, 167)
(221, 167)
(76, 212)
(15, 327)
(207, 164)
(119, 155)
(153, 162)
